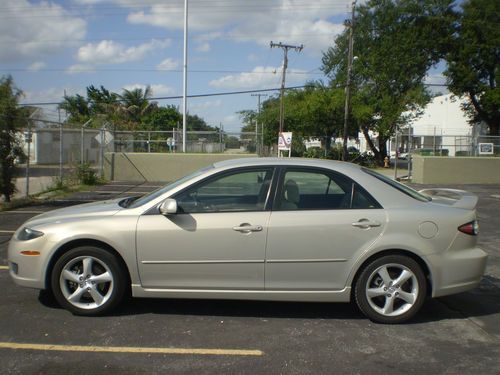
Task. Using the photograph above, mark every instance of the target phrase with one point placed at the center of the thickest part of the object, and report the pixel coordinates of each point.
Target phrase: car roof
(309, 162)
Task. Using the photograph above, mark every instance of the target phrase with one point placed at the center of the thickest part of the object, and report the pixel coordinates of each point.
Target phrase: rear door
(320, 223)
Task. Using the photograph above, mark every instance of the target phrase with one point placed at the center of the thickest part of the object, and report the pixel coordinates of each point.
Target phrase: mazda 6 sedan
(259, 229)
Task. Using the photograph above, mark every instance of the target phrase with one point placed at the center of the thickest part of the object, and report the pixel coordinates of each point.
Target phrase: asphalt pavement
(451, 335)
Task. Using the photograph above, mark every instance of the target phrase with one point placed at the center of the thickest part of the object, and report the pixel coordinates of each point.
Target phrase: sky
(53, 47)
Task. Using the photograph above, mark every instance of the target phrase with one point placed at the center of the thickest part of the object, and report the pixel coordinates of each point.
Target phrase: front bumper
(456, 271)
(28, 270)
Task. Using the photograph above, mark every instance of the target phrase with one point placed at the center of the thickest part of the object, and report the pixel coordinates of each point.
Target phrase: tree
(11, 120)
(395, 44)
(162, 118)
(473, 62)
(77, 107)
(135, 103)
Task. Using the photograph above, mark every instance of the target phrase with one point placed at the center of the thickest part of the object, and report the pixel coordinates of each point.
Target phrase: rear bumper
(456, 271)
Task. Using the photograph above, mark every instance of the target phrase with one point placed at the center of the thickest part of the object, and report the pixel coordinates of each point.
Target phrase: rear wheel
(391, 289)
(88, 281)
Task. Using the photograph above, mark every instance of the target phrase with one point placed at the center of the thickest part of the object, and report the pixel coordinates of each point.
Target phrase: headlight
(28, 234)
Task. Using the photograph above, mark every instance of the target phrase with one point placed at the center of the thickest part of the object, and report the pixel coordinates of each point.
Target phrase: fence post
(102, 153)
(60, 151)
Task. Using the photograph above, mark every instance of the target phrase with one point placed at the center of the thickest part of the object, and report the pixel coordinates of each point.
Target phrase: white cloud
(206, 105)
(80, 68)
(290, 21)
(259, 77)
(168, 64)
(36, 66)
(110, 52)
(158, 89)
(35, 30)
(204, 47)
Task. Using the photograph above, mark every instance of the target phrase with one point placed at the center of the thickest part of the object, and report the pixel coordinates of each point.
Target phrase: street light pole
(184, 80)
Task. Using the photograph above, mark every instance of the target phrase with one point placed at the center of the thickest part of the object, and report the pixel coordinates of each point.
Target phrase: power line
(189, 96)
(293, 72)
(222, 94)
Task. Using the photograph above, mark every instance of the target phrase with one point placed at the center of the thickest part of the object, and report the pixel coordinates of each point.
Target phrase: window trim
(330, 173)
(269, 198)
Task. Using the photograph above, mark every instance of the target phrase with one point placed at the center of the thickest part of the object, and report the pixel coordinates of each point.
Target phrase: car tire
(88, 281)
(390, 289)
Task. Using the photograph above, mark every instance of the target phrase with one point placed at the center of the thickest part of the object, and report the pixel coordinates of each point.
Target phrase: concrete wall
(158, 166)
(455, 170)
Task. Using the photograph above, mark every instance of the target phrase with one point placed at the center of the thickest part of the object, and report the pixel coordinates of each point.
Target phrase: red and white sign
(285, 141)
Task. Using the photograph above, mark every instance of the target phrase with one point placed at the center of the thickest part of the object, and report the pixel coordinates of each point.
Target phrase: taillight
(471, 228)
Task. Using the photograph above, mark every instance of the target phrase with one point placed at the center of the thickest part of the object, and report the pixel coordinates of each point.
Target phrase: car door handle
(247, 228)
(364, 224)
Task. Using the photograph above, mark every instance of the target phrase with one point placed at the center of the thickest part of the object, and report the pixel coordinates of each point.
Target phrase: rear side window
(311, 189)
(398, 186)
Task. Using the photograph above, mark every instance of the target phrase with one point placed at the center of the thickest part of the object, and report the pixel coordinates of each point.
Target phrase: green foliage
(395, 42)
(163, 118)
(474, 62)
(130, 110)
(314, 153)
(314, 111)
(10, 123)
(86, 175)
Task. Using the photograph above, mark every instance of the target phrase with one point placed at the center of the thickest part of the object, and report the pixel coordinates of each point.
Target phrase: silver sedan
(259, 229)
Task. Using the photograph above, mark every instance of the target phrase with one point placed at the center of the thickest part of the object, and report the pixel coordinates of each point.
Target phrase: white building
(441, 129)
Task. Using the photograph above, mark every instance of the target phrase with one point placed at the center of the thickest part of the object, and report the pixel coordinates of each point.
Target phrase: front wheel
(391, 289)
(88, 281)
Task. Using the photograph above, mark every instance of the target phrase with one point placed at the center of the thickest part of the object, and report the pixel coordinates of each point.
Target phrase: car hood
(103, 208)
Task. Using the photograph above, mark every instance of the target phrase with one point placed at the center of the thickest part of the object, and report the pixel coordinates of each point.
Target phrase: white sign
(107, 138)
(486, 149)
(285, 141)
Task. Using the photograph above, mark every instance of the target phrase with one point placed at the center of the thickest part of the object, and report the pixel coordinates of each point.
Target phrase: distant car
(259, 229)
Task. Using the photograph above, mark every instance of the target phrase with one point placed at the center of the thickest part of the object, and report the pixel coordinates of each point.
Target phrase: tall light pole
(184, 80)
(349, 24)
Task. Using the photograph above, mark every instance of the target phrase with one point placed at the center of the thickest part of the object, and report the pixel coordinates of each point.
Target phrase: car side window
(321, 190)
(238, 191)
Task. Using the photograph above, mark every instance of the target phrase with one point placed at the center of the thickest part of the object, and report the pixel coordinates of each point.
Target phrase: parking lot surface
(456, 334)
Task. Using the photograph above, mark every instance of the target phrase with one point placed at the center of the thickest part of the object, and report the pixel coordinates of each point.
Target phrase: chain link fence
(54, 153)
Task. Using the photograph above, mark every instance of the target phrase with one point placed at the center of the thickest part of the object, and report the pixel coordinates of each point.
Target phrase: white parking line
(128, 349)
(22, 212)
(7, 231)
(4, 268)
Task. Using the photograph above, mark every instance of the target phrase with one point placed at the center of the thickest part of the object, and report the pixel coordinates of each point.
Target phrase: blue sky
(53, 46)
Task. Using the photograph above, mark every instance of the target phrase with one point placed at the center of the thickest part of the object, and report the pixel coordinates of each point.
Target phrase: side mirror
(168, 207)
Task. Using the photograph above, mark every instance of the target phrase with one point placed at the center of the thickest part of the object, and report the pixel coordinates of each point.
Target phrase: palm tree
(135, 102)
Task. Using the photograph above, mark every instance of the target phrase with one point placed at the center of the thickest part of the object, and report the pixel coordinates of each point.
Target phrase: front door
(215, 241)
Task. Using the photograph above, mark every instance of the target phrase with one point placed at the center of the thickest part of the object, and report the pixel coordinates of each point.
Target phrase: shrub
(86, 175)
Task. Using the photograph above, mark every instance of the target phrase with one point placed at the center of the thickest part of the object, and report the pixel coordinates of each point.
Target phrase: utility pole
(285, 48)
(257, 123)
(350, 24)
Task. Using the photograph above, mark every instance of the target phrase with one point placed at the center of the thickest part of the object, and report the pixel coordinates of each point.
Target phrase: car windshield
(156, 193)
(402, 188)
